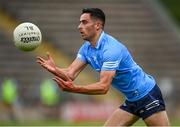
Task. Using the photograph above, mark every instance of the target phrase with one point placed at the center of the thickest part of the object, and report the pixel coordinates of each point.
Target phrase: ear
(98, 25)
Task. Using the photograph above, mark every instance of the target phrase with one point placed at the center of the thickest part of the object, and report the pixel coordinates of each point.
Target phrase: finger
(67, 78)
(40, 59)
(66, 84)
(39, 62)
(59, 79)
(43, 65)
(49, 56)
(56, 80)
(59, 83)
(63, 76)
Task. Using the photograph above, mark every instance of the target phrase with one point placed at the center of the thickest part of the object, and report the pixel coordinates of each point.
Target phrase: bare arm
(74, 69)
(100, 87)
(66, 74)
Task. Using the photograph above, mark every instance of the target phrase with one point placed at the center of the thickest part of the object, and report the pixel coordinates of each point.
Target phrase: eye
(84, 21)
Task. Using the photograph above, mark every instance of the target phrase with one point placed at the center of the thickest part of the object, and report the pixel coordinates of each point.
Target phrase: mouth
(82, 33)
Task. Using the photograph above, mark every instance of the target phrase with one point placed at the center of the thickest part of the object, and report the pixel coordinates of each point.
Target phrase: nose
(79, 26)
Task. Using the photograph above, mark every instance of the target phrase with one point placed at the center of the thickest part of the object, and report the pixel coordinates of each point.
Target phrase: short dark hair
(96, 13)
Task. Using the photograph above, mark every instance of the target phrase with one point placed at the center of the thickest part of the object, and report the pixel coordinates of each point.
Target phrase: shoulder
(112, 45)
(85, 44)
(113, 49)
(113, 42)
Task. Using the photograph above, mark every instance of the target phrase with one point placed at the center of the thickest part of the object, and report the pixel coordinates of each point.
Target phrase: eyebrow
(83, 20)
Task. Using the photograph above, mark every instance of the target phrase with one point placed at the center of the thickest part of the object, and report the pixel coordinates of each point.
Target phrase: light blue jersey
(110, 54)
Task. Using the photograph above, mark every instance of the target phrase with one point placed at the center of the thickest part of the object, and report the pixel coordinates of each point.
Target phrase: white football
(27, 36)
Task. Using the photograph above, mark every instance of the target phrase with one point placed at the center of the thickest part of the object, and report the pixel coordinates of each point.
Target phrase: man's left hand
(64, 85)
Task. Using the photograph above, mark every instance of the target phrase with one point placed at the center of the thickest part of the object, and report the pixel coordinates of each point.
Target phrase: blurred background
(28, 96)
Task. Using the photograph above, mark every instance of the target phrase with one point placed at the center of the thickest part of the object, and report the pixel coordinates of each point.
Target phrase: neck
(95, 39)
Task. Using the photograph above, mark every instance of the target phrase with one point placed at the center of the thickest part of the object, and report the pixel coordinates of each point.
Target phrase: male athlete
(116, 66)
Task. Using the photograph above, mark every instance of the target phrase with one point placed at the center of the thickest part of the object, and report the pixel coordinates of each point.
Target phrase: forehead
(85, 16)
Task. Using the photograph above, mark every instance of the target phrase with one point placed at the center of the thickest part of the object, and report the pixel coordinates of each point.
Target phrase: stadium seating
(137, 24)
(19, 66)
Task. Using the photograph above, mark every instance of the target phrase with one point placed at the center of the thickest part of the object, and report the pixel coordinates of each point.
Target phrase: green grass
(174, 122)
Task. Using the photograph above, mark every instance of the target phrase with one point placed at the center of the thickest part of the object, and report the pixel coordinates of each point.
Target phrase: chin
(84, 38)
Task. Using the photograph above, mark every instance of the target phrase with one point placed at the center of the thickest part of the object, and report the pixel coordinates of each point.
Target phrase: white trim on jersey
(112, 64)
(79, 56)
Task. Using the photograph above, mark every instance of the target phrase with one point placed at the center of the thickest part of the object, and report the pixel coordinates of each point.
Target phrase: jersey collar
(98, 43)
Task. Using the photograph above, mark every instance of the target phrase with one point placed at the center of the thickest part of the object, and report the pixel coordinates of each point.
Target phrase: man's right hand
(49, 65)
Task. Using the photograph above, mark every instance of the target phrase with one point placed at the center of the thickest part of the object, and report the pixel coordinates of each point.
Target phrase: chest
(95, 58)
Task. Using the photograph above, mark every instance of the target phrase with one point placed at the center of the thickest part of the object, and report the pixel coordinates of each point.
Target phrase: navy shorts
(151, 103)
